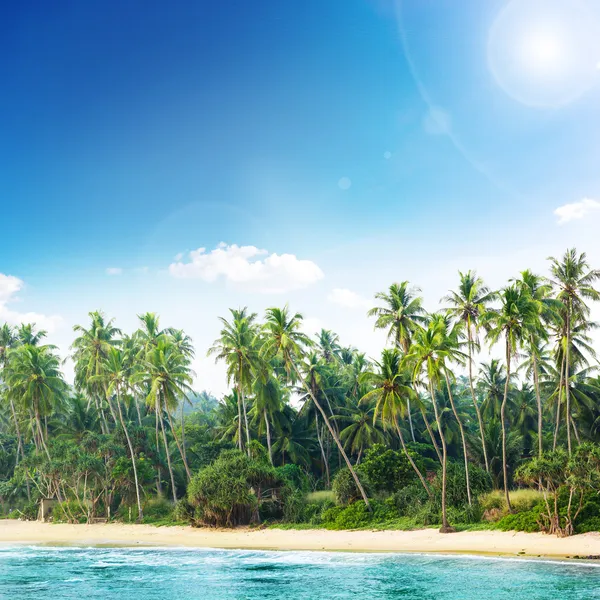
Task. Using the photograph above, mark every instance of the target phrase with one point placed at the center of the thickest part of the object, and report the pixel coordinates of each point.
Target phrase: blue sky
(370, 141)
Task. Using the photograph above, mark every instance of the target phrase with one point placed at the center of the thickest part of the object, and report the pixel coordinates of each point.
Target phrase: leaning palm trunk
(462, 437)
(445, 525)
(130, 445)
(323, 455)
(430, 432)
(164, 435)
(410, 459)
(410, 423)
(503, 423)
(476, 404)
(158, 474)
(336, 439)
(20, 449)
(179, 447)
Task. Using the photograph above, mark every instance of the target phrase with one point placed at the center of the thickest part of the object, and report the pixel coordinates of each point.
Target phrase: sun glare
(544, 52)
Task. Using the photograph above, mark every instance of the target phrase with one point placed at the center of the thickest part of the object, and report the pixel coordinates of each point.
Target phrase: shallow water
(119, 573)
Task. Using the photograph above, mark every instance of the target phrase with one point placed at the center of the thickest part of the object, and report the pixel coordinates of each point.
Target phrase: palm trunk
(132, 454)
(475, 403)
(166, 444)
(536, 385)
(503, 423)
(558, 399)
(268, 436)
(179, 447)
(462, 437)
(239, 403)
(137, 408)
(430, 432)
(183, 433)
(445, 525)
(158, 473)
(20, 448)
(336, 439)
(567, 377)
(320, 440)
(410, 459)
(410, 423)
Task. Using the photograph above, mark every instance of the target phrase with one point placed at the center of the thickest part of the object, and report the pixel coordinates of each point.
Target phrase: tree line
(126, 432)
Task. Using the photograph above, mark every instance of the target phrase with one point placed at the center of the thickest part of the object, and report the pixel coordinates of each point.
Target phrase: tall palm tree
(427, 357)
(116, 375)
(168, 376)
(238, 348)
(549, 311)
(27, 334)
(513, 321)
(36, 384)
(268, 399)
(467, 305)
(401, 315)
(8, 340)
(572, 279)
(284, 341)
(329, 345)
(90, 351)
(390, 393)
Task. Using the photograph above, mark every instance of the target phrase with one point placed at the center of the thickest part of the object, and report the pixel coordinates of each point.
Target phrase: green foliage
(387, 470)
(233, 488)
(529, 520)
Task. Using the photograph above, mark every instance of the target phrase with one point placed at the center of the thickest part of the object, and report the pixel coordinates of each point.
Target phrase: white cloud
(9, 287)
(576, 210)
(114, 271)
(347, 298)
(242, 265)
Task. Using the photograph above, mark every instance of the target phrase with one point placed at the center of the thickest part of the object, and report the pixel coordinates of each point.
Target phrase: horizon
(189, 160)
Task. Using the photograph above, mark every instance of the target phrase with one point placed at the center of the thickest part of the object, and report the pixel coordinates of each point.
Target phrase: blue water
(169, 574)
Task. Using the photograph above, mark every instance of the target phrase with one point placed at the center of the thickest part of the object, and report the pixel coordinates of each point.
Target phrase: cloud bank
(576, 210)
(250, 267)
(347, 298)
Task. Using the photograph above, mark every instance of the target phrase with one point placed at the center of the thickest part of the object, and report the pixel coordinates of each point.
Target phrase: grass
(322, 496)
(521, 500)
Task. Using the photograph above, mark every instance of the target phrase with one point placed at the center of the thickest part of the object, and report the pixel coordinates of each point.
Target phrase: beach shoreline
(491, 543)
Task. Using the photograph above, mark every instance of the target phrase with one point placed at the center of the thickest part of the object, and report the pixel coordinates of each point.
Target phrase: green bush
(528, 520)
(357, 515)
(156, 510)
(387, 470)
(344, 487)
(231, 491)
(69, 511)
(295, 476)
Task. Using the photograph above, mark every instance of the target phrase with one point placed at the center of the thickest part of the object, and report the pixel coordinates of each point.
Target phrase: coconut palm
(390, 393)
(284, 341)
(467, 305)
(238, 348)
(401, 315)
(168, 377)
(36, 385)
(572, 279)
(116, 376)
(90, 351)
(512, 322)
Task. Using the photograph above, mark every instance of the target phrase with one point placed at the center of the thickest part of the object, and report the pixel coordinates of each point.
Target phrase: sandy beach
(424, 540)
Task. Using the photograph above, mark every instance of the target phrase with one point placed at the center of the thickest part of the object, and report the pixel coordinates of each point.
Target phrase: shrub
(69, 511)
(344, 487)
(295, 476)
(524, 521)
(230, 491)
(387, 470)
(156, 510)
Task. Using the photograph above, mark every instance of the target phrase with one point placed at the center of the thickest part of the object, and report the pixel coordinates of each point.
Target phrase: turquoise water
(169, 574)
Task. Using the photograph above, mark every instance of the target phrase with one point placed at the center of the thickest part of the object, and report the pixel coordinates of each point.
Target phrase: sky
(188, 157)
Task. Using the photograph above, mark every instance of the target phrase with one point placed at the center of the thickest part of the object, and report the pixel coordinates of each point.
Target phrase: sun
(545, 52)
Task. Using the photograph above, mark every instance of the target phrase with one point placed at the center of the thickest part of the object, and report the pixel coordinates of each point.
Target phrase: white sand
(423, 540)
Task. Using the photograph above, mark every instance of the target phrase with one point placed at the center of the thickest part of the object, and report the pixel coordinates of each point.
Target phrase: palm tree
(427, 355)
(27, 334)
(361, 429)
(513, 321)
(390, 393)
(402, 314)
(36, 384)
(573, 281)
(167, 374)
(238, 347)
(116, 376)
(267, 401)
(90, 351)
(8, 340)
(490, 387)
(467, 305)
(285, 341)
(329, 345)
